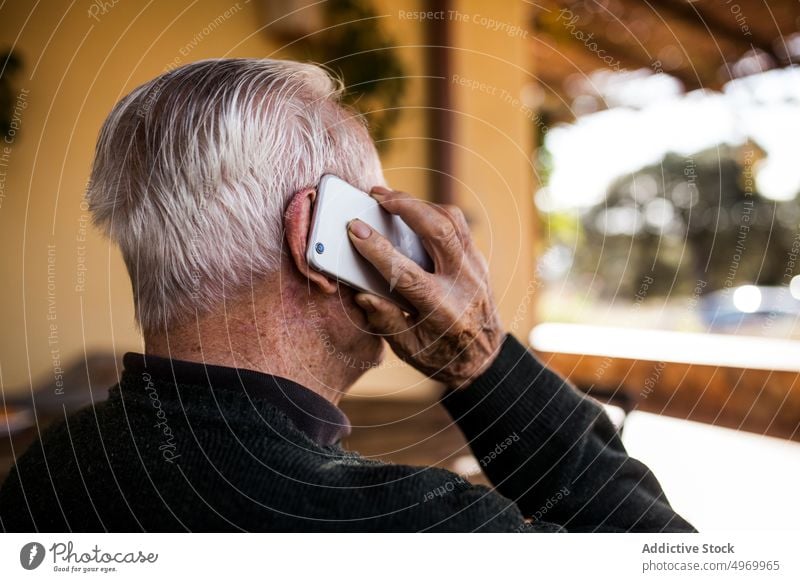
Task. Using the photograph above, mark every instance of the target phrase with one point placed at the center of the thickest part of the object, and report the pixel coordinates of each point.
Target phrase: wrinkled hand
(456, 333)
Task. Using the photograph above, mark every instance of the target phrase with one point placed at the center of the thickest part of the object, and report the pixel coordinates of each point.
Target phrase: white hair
(193, 172)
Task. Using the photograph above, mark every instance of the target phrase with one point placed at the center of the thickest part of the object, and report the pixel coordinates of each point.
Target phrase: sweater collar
(316, 416)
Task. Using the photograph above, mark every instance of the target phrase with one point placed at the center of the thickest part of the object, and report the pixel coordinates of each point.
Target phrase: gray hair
(193, 172)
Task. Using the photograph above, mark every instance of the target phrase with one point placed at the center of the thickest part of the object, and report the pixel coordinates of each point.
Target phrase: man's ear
(296, 225)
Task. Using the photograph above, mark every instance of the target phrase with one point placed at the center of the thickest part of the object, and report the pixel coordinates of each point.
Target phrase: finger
(384, 317)
(404, 275)
(431, 222)
(465, 236)
(472, 254)
(460, 221)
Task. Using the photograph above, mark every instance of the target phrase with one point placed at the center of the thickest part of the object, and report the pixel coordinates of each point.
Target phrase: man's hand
(456, 333)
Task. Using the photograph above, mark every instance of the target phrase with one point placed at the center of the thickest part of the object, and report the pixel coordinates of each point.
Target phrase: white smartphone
(331, 252)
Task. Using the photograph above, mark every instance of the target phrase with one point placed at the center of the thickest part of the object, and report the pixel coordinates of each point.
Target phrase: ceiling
(703, 44)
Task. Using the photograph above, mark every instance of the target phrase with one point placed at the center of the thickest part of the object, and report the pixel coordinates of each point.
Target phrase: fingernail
(379, 191)
(359, 229)
(365, 303)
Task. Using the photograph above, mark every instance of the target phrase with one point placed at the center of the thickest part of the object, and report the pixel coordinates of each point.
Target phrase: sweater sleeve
(554, 451)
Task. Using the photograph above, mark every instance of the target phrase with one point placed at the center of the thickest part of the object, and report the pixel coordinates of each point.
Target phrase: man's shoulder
(408, 498)
(102, 463)
(51, 469)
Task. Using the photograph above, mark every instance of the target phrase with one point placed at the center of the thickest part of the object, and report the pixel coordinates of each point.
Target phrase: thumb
(383, 316)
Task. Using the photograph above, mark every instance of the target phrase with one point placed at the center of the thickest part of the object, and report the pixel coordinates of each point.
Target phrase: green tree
(688, 218)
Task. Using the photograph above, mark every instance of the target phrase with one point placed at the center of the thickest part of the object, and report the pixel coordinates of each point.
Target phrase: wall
(494, 135)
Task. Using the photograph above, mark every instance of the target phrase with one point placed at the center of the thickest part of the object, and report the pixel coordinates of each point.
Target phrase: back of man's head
(194, 169)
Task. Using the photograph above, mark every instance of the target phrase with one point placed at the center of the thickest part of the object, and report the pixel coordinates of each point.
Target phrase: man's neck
(260, 337)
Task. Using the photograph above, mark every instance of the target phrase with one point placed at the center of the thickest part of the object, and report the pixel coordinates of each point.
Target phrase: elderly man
(205, 177)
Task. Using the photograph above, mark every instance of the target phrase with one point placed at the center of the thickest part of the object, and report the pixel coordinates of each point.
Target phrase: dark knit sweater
(193, 450)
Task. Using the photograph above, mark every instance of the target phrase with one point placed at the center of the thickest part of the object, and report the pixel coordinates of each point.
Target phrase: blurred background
(630, 169)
